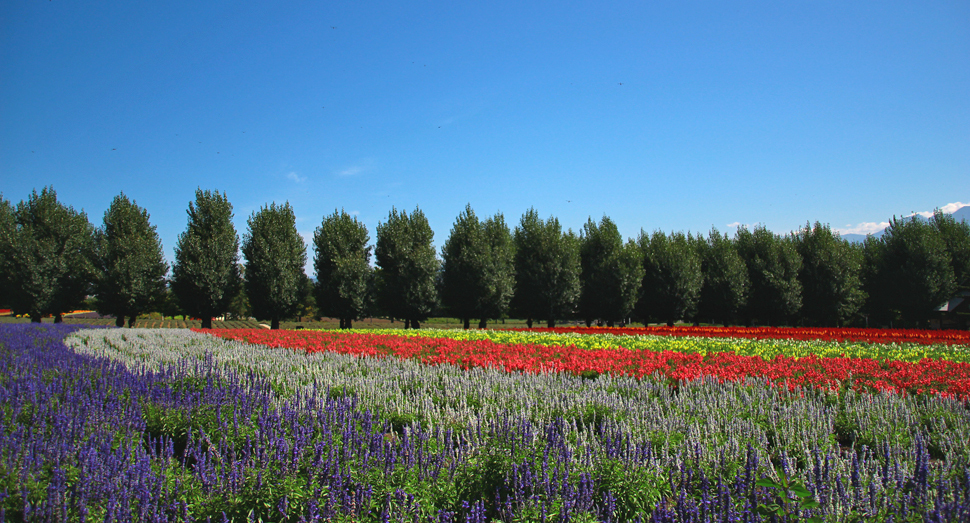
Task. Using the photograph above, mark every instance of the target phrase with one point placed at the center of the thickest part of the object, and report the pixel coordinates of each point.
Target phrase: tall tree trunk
(120, 321)
(274, 323)
(589, 322)
(343, 324)
(58, 318)
(207, 322)
(131, 321)
(483, 323)
(407, 324)
(349, 322)
(528, 321)
(466, 323)
(415, 324)
(609, 323)
(550, 323)
(34, 318)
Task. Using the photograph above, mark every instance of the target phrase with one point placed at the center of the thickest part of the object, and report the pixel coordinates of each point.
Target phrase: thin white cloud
(296, 177)
(749, 226)
(354, 213)
(352, 171)
(361, 166)
(874, 227)
(949, 208)
(863, 228)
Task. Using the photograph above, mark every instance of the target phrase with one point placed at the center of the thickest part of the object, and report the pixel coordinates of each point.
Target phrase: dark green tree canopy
(130, 261)
(408, 264)
(611, 273)
(956, 237)
(724, 292)
(830, 276)
(773, 264)
(342, 265)
(547, 269)
(48, 252)
(500, 271)
(908, 272)
(7, 230)
(672, 278)
(477, 274)
(205, 276)
(275, 256)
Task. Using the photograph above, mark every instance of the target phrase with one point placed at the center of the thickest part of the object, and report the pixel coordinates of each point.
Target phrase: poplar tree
(908, 272)
(672, 278)
(611, 273)
(726, 286)
(477, 274)
(275, 255)
(547, 269)
(342, 265)
(830, 276)
(205, 277)
(48, 256)
(956, 237)
(408, 267)
(7, 230)
(500, 273)
(131, 263)
(773, 264)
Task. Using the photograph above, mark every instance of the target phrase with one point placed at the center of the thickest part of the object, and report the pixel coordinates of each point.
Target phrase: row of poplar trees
(52, 258)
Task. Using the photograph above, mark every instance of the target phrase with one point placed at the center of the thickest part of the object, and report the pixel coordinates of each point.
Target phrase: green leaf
(767, 482)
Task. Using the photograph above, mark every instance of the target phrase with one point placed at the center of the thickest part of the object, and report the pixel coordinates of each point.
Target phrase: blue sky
(676, 116)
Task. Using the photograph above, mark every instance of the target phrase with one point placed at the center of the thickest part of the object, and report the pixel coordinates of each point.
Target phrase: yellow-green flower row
(766, 348)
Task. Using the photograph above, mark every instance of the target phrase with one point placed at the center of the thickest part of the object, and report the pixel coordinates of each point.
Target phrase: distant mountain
(859, 238)
(961, 214)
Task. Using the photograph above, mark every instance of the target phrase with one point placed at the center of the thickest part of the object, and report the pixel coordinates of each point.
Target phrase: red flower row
(927, 337)
(933, 376)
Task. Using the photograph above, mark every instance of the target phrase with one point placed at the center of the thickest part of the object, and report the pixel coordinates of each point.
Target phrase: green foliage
(956, 237)
(636, 490)
(47, 255)
(342, 265)
(168, 304)
(408, 266)
(500, 269)
(239, 308)
(477, 276)
(611, 274)
(672, 277)
(7, 229)
(205, 276)
(908, 272)
(275, 256)
(830, 276)
(131, 264)
(783, 507)
(773, 264)
(724, 292)
(547, 269)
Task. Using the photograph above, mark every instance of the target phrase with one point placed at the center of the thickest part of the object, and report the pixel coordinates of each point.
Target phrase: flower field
(927, 337)
(173, 425)
(436, 347)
